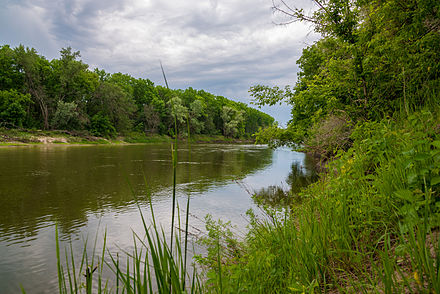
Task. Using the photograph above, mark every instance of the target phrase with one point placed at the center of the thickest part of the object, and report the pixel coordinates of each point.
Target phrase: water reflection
(85, 189)
(65, 184)
(302, 174)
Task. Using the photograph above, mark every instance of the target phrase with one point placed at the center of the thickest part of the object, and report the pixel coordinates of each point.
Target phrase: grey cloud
(222, 46)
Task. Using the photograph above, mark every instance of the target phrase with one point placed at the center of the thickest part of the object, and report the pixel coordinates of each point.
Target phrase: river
(86, 190)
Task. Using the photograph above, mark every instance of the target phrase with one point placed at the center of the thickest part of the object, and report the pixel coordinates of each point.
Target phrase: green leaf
(435, 181)
(412, 178)
(405, 195)
(421, 156)
(436, 144)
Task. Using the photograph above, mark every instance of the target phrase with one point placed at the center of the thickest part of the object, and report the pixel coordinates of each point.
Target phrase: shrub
(66, 116)
(13, 107)
(330, 135)
(101, 126)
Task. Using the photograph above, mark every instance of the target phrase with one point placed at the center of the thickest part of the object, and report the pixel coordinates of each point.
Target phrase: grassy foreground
(369, 225)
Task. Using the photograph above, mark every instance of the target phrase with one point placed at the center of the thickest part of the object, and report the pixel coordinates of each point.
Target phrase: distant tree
(13, 107)
(11, 77)
(233, 121)
(66, 116)
(72, 82)
(65, 94)
(100, 125)
(151, 119)
(196, 116)
(36, 70)
(178, 112)
(113, 103)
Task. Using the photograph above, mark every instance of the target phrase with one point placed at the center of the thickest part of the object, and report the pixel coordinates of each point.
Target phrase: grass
(370, 224)
(15, 137)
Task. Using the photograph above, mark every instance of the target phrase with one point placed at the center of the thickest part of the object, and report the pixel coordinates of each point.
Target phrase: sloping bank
(370, 224)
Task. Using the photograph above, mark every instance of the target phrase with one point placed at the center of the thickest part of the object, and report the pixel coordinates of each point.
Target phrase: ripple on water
(105, 166)
(38, 173)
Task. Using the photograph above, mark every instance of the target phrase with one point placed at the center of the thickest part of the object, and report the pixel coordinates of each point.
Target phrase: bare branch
(294, 13)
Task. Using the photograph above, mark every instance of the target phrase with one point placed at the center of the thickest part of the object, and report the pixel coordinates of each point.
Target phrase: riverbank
(22, 137)
(370, 224)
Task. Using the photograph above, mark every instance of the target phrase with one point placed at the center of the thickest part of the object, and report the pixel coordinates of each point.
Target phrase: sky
(221, 46)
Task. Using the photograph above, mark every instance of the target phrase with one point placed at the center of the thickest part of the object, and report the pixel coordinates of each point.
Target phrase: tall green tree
(11, 77)
(375, 58)
(112, 102)
(36, 71)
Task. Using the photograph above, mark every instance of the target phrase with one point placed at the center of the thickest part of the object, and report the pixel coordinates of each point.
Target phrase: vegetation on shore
(370, 224)
(367, 100)
(63, 94)
(21, 137)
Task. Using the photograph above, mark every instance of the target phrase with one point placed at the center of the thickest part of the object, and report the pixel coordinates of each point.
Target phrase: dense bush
(13, 106)
(100, 125)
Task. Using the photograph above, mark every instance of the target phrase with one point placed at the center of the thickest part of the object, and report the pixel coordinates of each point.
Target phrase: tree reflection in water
(301, 175)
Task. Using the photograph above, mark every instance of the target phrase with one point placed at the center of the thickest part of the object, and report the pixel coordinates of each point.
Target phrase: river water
(86, 190)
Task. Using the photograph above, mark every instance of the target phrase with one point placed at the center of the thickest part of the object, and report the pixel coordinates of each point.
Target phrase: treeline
(64, 94)
(375, 59)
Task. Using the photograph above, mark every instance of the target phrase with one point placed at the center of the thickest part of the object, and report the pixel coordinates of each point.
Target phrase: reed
(157, 265)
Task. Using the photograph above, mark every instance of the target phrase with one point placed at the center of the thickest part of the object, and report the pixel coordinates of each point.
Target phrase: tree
(178, 112)
(72, 82)
(36, 69)
(337, 18)
(110, 100)
(196, 115)
(375, 58)
(65, 94)
(151, 119)
(10, 75)
(66, 116)
(13, 107)
(233, 121)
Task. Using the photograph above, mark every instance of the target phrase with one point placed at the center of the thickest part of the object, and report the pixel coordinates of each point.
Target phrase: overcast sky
(221, 46)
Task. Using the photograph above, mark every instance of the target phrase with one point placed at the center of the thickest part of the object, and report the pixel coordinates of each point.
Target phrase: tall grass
(151, 268)
(369, 225)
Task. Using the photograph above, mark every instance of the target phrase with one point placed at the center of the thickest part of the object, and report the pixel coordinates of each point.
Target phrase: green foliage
(101, 125)
(36, 70)
(66, 116)
(376, 58)
(178, 111)
(233, 121)
(71, 80)
(114, 104)
(222, 250)
(369, 224)
(13, 107)
(10, 75)
(196, 113)
(65, 94)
